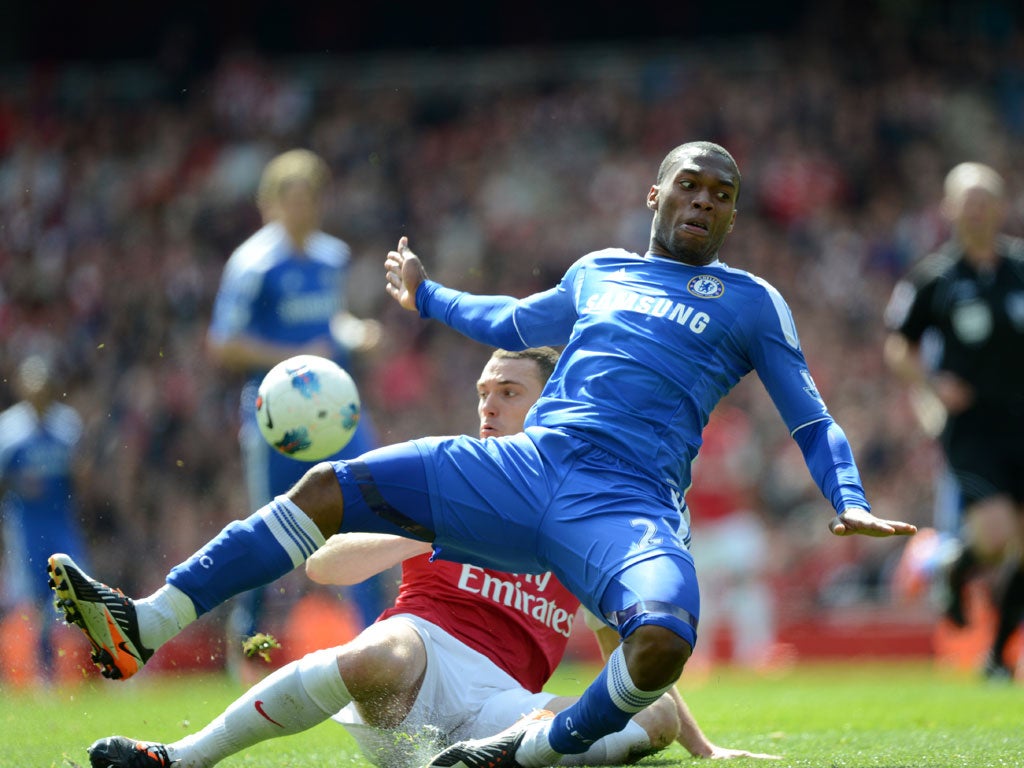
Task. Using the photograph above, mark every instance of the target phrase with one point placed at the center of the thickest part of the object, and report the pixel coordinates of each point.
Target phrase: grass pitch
(854, 715)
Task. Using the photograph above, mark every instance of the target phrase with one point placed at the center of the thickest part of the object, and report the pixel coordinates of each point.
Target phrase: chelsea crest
(706, 286)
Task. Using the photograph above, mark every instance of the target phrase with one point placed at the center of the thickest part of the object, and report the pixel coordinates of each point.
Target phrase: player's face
(977, 215)
(299, 208)
(507, 389)
(694, 208)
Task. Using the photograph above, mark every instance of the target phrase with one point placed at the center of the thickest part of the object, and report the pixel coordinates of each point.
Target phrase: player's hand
(355, 334)
(953, 392)
(404, 273)
(724, 753)
(856, 520)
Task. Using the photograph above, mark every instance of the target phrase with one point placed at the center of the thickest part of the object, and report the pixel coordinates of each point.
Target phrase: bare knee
(318, 495)
(655, 656)
(383, 670)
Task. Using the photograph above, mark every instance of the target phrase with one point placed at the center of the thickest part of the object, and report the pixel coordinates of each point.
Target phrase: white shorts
(464, 695)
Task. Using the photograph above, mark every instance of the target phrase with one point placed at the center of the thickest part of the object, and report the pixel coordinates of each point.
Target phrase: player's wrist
(851, 509)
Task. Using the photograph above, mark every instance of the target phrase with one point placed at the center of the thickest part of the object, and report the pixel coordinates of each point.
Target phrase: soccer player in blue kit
(591, 490)
(281, 292)
(41, 465)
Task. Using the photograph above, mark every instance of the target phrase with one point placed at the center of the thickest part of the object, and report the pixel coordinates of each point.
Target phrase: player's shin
(605, 707)
(247, 554)
(295, 698)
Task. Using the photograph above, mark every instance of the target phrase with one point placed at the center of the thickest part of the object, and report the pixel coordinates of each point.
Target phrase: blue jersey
(36, 470)
(652, 345)
(272, 292)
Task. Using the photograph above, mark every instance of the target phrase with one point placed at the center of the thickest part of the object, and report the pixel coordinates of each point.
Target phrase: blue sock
(248, 553)
(605, 707)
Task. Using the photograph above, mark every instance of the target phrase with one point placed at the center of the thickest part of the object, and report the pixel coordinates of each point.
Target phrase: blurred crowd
(124, 188)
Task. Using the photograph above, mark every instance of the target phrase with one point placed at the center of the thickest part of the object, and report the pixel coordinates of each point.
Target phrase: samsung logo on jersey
(513, 593)
(308, 307)
(631, 301)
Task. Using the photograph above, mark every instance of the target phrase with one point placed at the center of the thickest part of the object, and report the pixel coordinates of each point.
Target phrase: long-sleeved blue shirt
(651, 346)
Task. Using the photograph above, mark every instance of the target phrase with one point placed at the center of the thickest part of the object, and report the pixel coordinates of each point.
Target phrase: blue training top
(652, 345)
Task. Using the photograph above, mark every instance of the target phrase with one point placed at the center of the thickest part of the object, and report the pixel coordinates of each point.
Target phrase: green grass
(835, 716)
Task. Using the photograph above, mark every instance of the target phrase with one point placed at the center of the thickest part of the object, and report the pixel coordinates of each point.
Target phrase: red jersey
(521, 622)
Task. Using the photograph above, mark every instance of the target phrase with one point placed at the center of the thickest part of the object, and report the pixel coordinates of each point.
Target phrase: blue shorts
(537, 501)
(269, 473)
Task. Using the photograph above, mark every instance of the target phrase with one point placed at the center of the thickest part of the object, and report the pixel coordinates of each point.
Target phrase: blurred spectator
(732, 546)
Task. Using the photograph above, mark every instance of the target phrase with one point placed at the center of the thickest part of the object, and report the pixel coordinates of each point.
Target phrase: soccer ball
(307, 407)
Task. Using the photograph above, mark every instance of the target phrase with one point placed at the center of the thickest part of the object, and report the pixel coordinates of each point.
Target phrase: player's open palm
(404, 273)
(861, 521)
(724, 753)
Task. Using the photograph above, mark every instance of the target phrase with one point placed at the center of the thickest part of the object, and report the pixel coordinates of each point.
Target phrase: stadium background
(506, 139)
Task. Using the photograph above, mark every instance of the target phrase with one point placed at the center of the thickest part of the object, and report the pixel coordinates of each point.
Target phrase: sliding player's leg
(246, 554)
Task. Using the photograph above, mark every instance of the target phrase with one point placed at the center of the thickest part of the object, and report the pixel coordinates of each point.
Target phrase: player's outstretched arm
(404, 273)
(855, 520)
(350, 558)
(697, 744)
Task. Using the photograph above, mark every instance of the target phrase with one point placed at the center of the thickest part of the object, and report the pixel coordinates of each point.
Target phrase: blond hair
(295, 165)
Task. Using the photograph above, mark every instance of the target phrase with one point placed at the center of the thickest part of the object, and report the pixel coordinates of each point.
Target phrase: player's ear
(652, 198)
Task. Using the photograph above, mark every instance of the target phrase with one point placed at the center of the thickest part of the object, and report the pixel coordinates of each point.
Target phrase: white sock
(292, 699)
(535, 750)
(614, 749)
(163, 615)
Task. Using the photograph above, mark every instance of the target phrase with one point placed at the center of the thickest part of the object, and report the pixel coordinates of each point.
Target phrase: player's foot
(119, 752)
(495, 751)
(105, 615)
(995, 670)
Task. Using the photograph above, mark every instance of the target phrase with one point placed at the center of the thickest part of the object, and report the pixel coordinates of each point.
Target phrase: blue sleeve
(233, 306)
(545, 318)
(830, 461)
(780, 363)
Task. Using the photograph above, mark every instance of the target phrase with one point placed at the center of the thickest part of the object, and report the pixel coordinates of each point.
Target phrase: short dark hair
(544, 357)
(704, 146)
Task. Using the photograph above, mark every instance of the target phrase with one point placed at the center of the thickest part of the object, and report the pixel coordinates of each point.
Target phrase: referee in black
(968, 299)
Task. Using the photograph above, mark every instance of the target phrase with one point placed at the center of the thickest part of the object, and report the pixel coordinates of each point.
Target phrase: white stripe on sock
(292, 529)
(623, 692)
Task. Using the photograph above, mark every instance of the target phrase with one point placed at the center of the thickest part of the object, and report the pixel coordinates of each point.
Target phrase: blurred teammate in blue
(283, 293)
(591, 490)
(39, 466)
